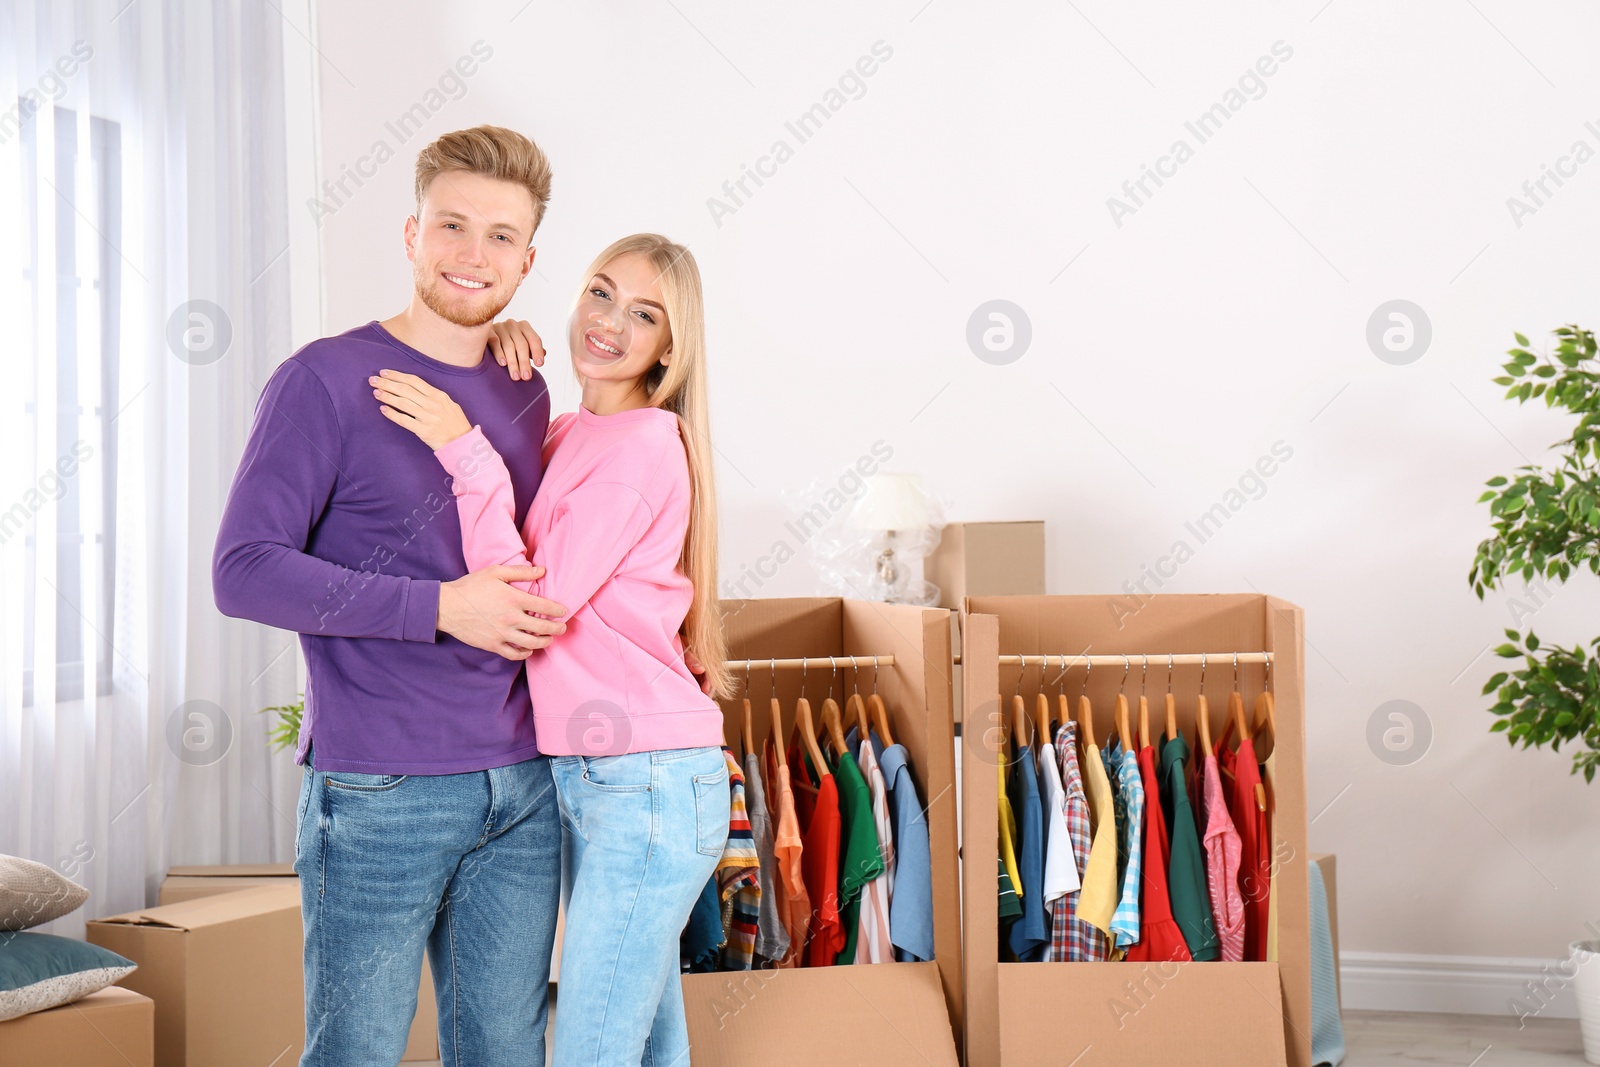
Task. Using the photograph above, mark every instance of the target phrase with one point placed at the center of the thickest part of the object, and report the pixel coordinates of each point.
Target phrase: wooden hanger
(1041, 720)
(808, 735)
(1144, 723)
(1236, 704)
(832, 725)
(1019, 718)
(1266, 729)
(878, 710)
(749, 738)
(1172, 705)
(1085, 721)
(855, 714)
(1202, 719)
(1123, 733)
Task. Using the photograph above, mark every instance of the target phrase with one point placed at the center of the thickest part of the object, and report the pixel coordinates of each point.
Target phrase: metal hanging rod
(810, 662)
(1176, 659)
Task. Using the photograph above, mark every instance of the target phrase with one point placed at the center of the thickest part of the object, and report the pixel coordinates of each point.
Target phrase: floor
(1400, 1039)
(1390, 1039)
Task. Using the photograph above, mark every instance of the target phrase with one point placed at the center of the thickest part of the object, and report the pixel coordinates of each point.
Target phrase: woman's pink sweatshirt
(608, 526)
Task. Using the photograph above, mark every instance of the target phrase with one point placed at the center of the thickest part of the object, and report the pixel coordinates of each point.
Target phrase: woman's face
(619, 329)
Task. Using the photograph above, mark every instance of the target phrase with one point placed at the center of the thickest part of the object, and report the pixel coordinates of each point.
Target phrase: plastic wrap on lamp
(869, 544)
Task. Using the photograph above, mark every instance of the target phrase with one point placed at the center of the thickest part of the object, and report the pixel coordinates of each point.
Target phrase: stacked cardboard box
(112, 1028)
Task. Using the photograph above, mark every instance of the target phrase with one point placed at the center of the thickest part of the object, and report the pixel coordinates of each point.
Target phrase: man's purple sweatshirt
(341, 525)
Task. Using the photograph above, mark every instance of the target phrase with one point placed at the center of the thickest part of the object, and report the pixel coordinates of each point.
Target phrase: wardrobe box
(1135, 1014)
(224, 972)
(112, 1028)
(190, 883)
(891, 1013)
(986, 559)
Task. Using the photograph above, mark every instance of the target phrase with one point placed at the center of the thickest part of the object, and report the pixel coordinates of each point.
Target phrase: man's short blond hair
(494, 152)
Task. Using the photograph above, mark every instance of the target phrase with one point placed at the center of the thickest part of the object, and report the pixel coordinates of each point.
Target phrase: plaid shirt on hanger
(1123, 767)
(1071, 939)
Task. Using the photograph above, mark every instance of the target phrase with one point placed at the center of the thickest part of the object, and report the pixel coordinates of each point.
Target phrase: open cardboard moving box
(112, 1028)
(1137, 1014)
(882, 1014)
(192, 883)
(224, 972)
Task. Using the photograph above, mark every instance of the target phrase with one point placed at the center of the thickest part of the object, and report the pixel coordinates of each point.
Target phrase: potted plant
(286, 732)
(1546, 524)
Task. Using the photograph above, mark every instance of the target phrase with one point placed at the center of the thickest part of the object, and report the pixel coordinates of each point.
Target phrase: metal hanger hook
(1123, 685)
(1143, 672)
(833, 675)
(1061, 679)
(855, 676)
(804, 668)
(1169, 673)
(1088, 665)
(1236, 671)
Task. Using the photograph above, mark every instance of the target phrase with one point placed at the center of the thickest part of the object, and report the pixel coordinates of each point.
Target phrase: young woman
(624, 524)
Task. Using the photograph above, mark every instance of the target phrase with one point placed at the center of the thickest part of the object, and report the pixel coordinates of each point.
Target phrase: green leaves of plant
(1545, 523)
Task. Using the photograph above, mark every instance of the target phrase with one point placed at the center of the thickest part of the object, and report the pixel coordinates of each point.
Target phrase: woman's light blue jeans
(641, 835)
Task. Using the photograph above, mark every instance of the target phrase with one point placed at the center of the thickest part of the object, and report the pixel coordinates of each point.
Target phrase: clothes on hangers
(772, 939)
(1031, 934)
(1186, 865)
(911, 903)
(1072, 940)
(1224, 853)
(1097, 901)
(794, 903)
(1061, 874)
(860, 860)
(1159, 936)
(700, 946)
(874, 945)
(820, 865)
(1128, 801)
(738, 877)
(1272, 893)
(1255, 870)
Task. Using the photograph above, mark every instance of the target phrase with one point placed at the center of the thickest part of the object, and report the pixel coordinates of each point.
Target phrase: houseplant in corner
(286, 732)
(1546, 524)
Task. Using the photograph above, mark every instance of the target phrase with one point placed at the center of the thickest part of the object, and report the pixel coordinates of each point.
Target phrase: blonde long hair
(680, 388)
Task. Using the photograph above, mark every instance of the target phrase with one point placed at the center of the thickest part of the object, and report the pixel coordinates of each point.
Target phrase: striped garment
(873, 944)
(738, 877)
(1071, 939)
(1130, 824)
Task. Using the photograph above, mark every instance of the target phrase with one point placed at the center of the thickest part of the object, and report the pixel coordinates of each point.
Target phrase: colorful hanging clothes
(820, 867)
(738, 876)
(1061, 874)
(772, 940)
(1186, 866)
(1224, 853)
(700, 945)
(911, 903)
(1255, 871)
(1097, 902)
(794, 903)
(1008, 833)
(1030, 935)
(860, 860)
(874, 945)
(1129, 807)
(1071, 939)
(1160, 940)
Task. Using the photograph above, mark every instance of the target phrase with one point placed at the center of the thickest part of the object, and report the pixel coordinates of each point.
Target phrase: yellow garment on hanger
(1097, 901)
(1008, 835)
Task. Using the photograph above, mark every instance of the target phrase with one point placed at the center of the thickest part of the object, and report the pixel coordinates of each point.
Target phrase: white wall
(1227, 313)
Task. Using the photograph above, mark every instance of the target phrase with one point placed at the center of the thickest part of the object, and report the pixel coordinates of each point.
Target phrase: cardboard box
(112, 1028)
(893, 1013)
(1327, 862)
(987, 559)
(1027, 1014)
(192, 883)
(224, 972)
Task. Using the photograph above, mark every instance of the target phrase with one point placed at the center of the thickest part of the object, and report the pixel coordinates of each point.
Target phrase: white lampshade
(892, 502)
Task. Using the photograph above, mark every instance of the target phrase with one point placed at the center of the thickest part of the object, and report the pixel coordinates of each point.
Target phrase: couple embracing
(511, 637)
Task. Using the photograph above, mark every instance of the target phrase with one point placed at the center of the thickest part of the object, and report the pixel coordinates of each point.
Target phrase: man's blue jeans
(643, 833)
(466, 865)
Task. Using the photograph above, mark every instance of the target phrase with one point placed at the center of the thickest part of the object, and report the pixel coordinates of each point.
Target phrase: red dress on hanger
(1255, 866)
(1159, 936)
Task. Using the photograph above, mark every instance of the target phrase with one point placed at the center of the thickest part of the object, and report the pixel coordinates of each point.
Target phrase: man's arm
(261, 571)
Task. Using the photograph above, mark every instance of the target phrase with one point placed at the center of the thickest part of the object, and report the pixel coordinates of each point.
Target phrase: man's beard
(431, 289)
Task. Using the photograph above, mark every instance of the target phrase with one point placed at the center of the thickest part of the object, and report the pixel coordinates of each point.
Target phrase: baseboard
(1465, 985)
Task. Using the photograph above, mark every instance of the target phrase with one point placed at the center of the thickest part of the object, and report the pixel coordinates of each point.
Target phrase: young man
(426, 815)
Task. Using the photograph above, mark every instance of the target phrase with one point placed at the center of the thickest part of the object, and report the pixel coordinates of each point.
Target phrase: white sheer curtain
(145, 224)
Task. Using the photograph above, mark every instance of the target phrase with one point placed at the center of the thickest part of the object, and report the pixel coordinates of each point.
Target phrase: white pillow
(32, 894)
